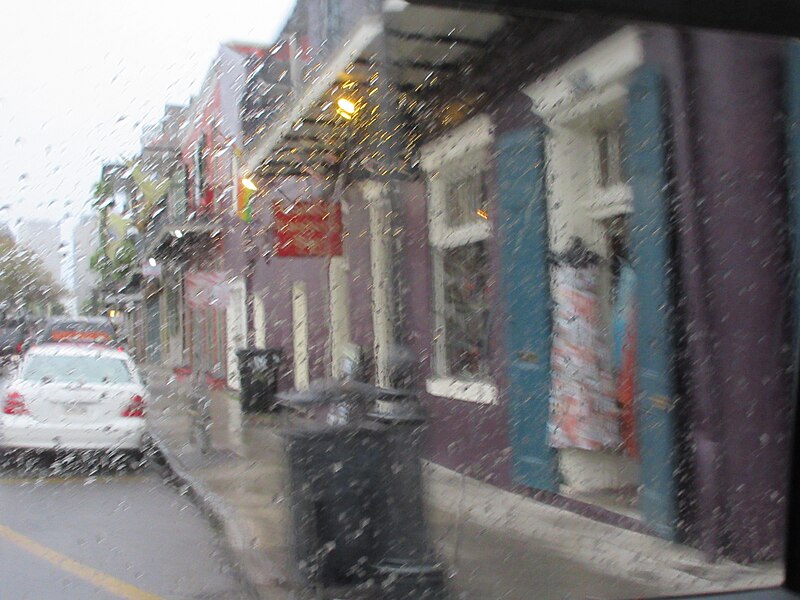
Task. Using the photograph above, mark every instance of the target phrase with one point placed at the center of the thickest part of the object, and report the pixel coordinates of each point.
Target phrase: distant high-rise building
(5, 232)
(44, 239)
(84, 244)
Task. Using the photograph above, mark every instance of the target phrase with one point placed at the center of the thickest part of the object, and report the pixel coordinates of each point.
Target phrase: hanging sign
(307, 228)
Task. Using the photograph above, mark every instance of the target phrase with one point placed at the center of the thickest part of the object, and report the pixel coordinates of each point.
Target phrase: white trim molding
(453, 237)
(594, 77)
(467, 148)
(578, 100)
(474, 136)
(480, 392)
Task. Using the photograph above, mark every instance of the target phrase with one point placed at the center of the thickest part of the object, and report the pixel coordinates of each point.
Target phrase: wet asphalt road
(85, 532)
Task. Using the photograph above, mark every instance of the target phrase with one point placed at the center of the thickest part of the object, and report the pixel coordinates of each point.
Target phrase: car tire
(137, 460)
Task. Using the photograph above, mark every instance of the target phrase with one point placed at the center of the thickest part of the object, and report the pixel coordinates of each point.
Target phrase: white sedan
(66, 396)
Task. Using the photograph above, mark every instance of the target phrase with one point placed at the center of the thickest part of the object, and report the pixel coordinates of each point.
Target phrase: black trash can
(333, 458)
(355, 495)
(332, 494)
(258, 378)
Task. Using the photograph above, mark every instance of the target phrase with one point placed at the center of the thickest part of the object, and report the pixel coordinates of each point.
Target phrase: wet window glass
(609, 150)
(46, 368)
(465, 199)
(427, 301)
(465, 310)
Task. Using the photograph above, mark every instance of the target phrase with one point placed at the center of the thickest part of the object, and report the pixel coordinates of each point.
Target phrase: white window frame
(586, 93)
(467, 147)
(594, 78)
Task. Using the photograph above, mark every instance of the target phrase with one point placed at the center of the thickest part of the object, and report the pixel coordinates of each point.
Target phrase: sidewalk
(496, 544)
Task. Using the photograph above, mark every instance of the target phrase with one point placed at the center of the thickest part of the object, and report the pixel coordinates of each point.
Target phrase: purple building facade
(481, 153)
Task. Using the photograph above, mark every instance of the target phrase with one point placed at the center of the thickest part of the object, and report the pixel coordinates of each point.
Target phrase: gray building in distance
(43, 238)
(84, 245)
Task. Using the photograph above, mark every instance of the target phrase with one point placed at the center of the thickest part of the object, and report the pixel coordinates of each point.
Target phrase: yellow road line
(65, 563)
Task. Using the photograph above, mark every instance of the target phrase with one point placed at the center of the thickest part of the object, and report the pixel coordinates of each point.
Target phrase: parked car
(87, 330)
(12, 338)
(74, 396)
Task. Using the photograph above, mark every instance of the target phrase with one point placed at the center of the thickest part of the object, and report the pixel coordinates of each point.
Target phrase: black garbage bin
(258, 377)
(355, 496)
(332, 496)
(333, 460)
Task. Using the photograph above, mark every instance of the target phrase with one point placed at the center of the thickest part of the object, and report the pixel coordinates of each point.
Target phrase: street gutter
(255, 570)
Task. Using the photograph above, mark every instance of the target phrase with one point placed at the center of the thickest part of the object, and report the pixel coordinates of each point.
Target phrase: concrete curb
(256, 571)
(636, 556)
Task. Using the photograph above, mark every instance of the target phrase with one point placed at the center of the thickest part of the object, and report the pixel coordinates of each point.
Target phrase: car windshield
(427, 299)
(44, 368)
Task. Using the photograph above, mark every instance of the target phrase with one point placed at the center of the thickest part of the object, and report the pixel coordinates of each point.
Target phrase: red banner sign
(307, 228)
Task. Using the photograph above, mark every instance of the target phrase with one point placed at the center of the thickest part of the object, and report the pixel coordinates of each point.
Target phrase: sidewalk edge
(594, 544)
(248, 562)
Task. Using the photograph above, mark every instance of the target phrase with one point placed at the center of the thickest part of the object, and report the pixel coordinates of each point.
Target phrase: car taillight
(135, 407)
(15, 404)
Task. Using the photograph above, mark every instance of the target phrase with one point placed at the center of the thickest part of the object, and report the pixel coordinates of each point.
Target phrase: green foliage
(101, 191)
(90, 306)
(115, 261)
(151, 192)
(24, 282)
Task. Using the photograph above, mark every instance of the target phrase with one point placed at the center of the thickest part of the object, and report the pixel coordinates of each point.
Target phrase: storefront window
(466, 200)
(465, 307)
(460, 233)
(609, 155)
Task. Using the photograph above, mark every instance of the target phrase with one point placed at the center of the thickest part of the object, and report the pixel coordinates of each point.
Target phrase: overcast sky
(79, 79)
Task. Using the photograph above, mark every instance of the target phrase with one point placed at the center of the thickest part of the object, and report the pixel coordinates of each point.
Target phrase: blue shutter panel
(646, 156)
(793, 177)
(522, 229)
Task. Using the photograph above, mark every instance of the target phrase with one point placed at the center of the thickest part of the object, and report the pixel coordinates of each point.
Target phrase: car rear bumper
(25, 432)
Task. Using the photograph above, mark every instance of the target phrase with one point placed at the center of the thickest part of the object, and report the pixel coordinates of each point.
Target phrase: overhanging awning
(363, 36)
(176, 239)
(425, 46)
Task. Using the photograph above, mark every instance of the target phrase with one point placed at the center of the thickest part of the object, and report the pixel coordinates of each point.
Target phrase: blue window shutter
(522, 230)
(793, 178)
(646, 159)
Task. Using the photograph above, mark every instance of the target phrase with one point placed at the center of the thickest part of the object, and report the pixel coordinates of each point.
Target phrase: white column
(339, 279)
(300, 335)
(380, 263)
(236, 329)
